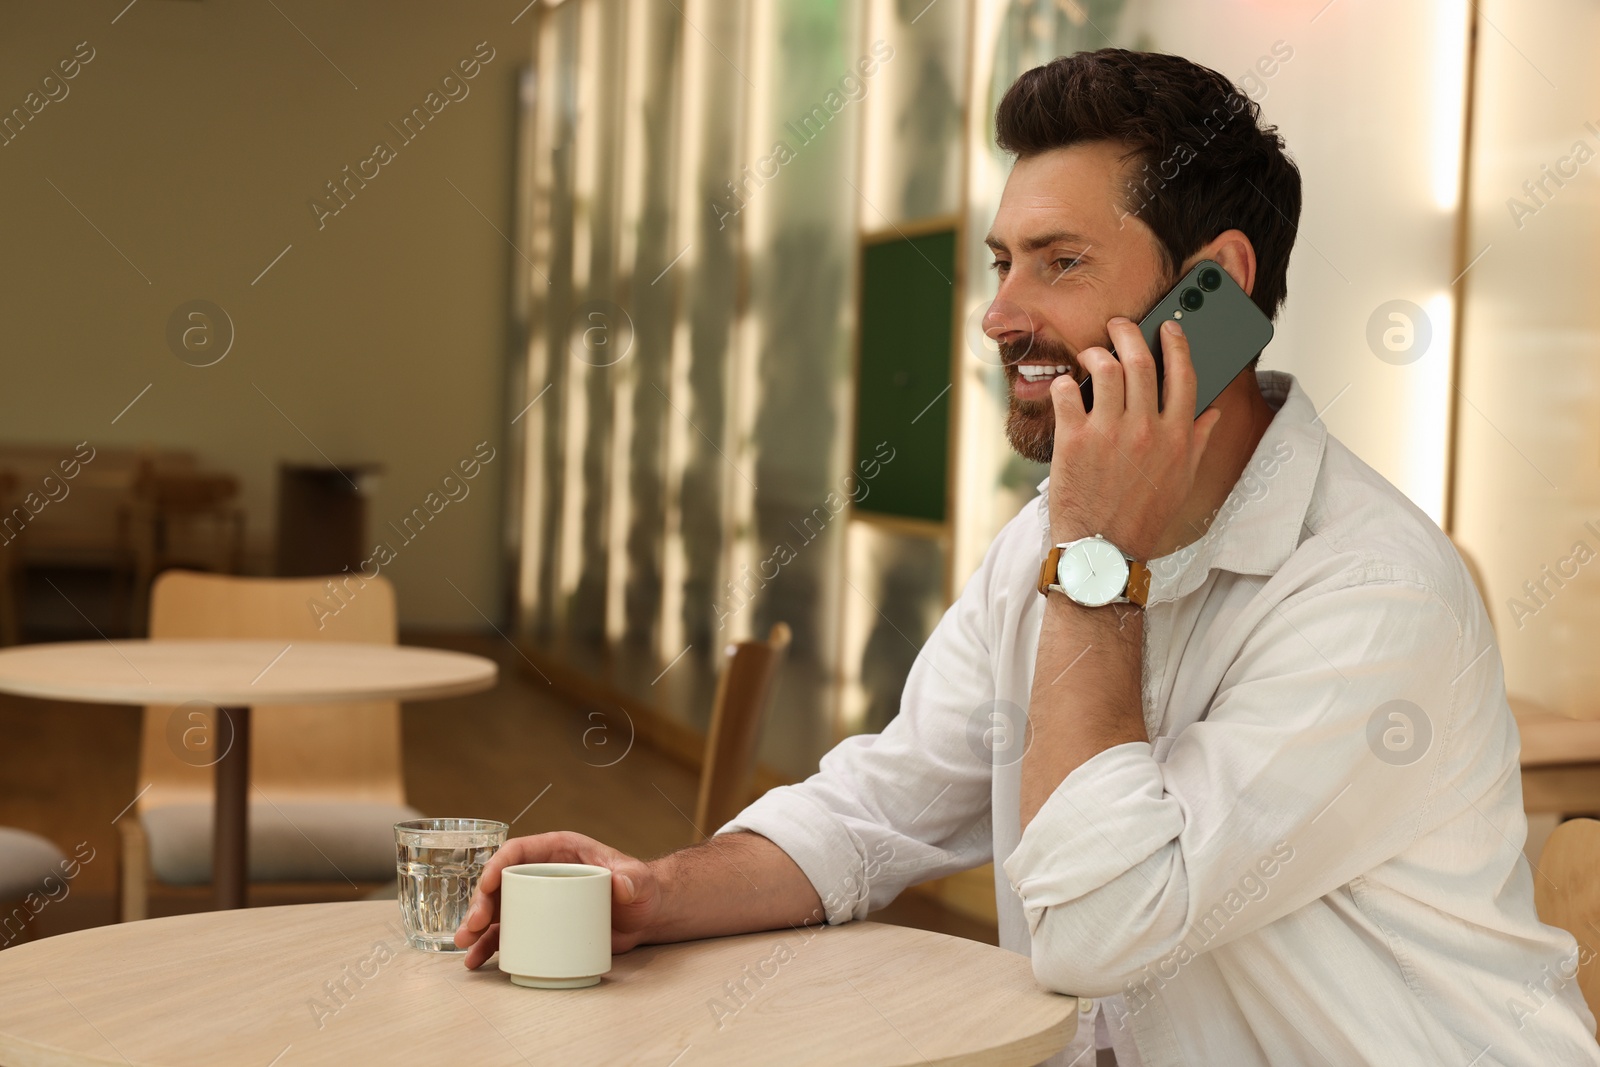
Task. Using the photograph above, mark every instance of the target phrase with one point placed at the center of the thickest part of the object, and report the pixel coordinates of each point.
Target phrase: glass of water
(438, 862)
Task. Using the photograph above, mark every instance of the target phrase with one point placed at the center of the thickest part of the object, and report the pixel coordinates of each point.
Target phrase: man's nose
(1007, 322)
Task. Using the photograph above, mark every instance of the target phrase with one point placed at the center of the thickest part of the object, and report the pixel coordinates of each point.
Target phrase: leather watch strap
(1047, 569)
(1138, 582)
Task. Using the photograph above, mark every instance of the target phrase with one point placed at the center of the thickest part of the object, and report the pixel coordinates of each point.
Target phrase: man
(1268, 810)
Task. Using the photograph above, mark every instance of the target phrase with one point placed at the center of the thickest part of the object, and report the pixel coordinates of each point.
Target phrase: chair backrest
(93, 527)
(1566, 892)
(744, 690)
(299, 751)
(188, 519)
(184, 490)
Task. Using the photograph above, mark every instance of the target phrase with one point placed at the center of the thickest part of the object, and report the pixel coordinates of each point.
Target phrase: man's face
(1069, 260)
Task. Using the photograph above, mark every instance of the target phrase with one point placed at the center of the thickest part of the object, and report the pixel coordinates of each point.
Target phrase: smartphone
(1224, 327)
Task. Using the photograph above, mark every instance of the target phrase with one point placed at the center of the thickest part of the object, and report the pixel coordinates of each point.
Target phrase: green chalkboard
(903, 372)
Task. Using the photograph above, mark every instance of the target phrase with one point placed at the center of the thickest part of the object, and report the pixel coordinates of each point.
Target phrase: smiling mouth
(1040, 372)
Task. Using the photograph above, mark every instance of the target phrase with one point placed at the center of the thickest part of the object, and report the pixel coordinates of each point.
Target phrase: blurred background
(694, 288)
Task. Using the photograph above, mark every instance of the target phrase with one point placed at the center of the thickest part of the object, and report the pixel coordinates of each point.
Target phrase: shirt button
(1086, 1004)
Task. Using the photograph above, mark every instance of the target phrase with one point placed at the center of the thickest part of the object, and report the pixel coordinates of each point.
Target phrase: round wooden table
(336, 984)
(234, 675)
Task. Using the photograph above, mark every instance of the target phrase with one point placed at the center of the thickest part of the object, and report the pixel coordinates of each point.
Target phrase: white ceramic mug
(555, 924)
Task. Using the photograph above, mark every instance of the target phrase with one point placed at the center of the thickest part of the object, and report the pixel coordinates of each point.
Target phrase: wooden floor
(68, 771)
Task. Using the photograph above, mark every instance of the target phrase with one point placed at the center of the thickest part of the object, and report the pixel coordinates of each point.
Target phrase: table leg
(230, 842)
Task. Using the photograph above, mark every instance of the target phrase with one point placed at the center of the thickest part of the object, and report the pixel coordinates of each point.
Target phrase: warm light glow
(856, 624)
(1430, 410)
(619, 497)
(620, 500)
(538, 357)
(979, 421)
(674, 561)
(879, 118)
(1449, 101)
(575, 401)
(634, 146)
(744, 363)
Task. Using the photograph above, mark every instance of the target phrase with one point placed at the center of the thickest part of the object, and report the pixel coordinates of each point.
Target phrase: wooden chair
(326, 778)
(88, 522)
(1560, 754)
(82, 523)
(9, 559)
(744, 690)
(1566, 893)
(26, 861)
(182, 518)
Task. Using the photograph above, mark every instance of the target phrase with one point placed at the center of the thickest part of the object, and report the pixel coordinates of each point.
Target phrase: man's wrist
(1116, 617)
(665, 870)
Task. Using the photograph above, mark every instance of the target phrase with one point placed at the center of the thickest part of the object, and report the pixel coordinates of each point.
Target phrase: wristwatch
(1094, 572)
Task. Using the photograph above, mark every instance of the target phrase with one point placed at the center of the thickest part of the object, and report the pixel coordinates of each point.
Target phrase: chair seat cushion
(289, 841)
(25, 861)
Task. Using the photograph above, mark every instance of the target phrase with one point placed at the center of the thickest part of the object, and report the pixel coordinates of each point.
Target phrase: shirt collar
(1258, 525)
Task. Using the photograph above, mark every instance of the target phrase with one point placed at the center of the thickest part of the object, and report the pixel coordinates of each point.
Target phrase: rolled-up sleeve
(889, 810)
(1326, 751)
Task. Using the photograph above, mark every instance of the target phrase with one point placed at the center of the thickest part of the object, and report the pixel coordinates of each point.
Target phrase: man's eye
(1000, 266)
(1066, 263)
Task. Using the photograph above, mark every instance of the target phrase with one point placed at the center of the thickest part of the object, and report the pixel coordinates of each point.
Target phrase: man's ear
(1232, 250)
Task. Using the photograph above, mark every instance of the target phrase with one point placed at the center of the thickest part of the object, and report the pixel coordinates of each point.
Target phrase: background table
(234, 675)
(336, 984)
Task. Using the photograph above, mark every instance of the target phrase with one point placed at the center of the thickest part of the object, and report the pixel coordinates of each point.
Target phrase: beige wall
(1368, 96)
(1529, 454)
(194, 140)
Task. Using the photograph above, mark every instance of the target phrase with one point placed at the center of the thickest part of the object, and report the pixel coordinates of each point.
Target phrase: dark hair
(1200, 161)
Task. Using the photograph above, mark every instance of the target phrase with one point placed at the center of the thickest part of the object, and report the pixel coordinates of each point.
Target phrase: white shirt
(1317, 857)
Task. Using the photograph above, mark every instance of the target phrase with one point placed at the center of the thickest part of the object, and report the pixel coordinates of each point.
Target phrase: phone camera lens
(1210, 279)
(1191, 299)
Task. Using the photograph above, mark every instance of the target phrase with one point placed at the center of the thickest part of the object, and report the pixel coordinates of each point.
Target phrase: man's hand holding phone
(1124, 468)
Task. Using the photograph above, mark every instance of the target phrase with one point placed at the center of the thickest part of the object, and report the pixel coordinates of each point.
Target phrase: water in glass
(438, 863)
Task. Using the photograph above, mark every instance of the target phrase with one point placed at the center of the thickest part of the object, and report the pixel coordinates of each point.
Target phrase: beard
(1031, 424)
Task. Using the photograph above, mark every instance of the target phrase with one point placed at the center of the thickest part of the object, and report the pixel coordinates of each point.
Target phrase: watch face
(1092, 571)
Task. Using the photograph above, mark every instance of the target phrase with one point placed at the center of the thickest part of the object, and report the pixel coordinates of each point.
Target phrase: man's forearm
(734, 883)
(1085, 696)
